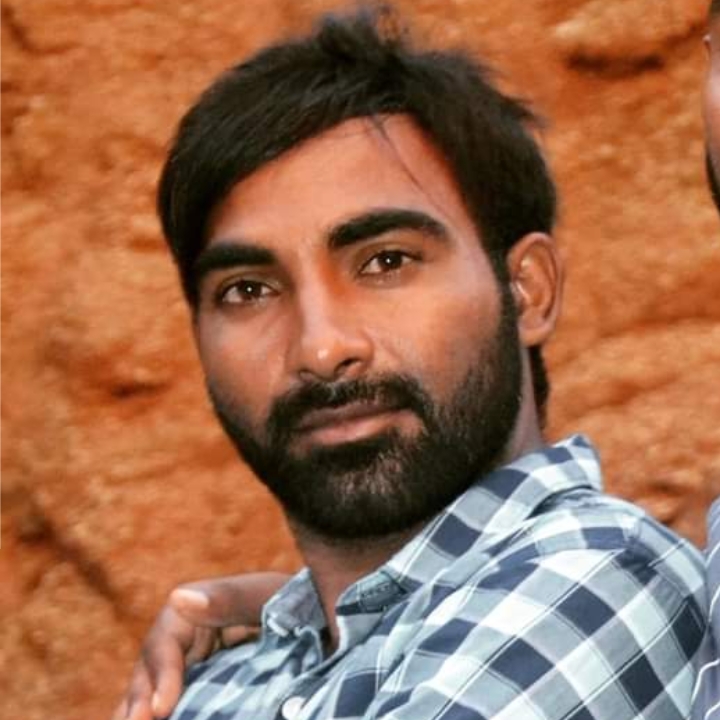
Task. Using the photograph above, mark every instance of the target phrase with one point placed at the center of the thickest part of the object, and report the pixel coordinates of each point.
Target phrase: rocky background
(117, 484)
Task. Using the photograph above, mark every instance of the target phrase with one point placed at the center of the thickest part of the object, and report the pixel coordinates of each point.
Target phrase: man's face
(357, 346)
(712, 109)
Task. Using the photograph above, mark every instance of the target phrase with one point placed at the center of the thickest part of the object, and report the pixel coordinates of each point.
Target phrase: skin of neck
(336, 565)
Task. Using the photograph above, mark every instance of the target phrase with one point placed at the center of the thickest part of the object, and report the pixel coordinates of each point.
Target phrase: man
(362, 231)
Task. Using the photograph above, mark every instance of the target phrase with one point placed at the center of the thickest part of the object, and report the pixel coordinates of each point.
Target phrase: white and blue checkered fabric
(706, 700)
(532, 596)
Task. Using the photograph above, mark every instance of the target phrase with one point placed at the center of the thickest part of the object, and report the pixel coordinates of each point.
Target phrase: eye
(386, 261)
(244, 292)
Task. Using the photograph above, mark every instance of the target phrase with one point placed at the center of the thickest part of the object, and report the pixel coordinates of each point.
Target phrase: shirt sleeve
(573, 635)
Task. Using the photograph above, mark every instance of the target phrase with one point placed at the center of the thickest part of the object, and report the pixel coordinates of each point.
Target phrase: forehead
(358, 165)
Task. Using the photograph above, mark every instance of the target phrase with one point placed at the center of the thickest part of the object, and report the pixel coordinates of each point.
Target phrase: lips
(352, 421)
(328, 417)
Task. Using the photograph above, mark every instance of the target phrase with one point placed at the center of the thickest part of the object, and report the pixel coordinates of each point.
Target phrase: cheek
(243, 369)
(438, 340)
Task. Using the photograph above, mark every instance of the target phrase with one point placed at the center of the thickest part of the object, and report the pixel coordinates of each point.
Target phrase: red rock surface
(117, 483)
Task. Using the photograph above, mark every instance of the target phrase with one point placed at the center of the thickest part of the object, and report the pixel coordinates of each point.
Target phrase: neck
(335, 564)
(527, 435)
(526, 438)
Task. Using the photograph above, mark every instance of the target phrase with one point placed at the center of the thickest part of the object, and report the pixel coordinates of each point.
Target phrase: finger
(136, 703)
(205, 643)
(140, 709)
(234, 600)
(121, 710)
(163, 658)
(236, 634)
(167, 692)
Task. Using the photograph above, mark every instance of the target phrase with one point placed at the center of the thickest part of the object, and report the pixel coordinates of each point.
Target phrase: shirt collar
(495, 505)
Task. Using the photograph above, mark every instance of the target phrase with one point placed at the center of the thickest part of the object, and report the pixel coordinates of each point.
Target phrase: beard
(713, 181)
(388, 483)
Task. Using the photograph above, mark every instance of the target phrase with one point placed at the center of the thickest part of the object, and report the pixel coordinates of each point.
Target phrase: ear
(536, 282)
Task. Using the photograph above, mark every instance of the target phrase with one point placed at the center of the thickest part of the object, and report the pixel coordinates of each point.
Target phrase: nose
(331, 343)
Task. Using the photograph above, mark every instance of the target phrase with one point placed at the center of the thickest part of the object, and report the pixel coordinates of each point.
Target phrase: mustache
(392, 391)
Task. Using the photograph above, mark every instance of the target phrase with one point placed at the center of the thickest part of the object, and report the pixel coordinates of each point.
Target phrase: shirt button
(292, 706)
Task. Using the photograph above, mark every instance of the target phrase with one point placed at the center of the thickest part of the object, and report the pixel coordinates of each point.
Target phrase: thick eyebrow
(234, 253)
(377, 222)
(227, 254)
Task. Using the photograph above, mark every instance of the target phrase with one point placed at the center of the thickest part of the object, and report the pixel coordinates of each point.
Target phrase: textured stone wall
(117, 483)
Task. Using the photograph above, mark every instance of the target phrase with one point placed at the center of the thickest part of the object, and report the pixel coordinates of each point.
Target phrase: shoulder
(590, 604)
(586, 567)
(583, 526)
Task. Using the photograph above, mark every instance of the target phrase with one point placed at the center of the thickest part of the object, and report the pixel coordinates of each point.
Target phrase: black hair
(349, 66)
(714, 8)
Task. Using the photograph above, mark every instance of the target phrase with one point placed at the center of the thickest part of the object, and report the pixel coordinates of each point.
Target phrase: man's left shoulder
(589, 608)
(582, 557)
(588, 523)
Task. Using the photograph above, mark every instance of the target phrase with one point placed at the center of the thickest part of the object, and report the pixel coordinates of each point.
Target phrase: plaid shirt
(706, 698)
(533, 595)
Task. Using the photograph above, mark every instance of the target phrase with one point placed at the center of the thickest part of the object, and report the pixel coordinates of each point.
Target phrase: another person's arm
(197, 618)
